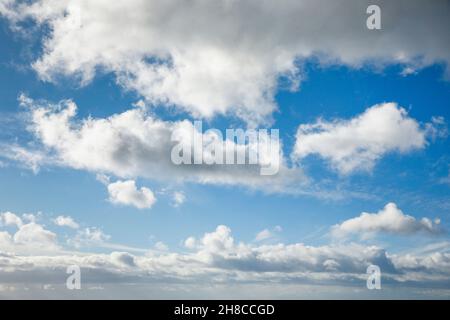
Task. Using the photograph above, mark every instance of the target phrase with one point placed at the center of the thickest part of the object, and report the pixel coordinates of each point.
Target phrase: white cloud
(388, 220)
(210, 58)
(136, 144)
(89, 237)
(358, 143)
(31, 159)
(161, 246)
(126, 193)
(103, 178)
(178, 198)
(214, 258)
(28, 238)
(219, 250)
(94, 234)
(268, 234)
(10, 219)
(66, 221)
(437, 128)
(34, 234)
(190, 243)
(263, 235)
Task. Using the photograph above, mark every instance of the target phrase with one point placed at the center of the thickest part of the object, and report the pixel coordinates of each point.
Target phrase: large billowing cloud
(357, 144)
(226, 56)
(389, 220)
(137, 144)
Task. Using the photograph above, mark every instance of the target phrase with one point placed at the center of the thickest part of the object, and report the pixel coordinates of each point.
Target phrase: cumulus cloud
(267, 233)
(190, 243)
(29, 237)
(220, 250)
(178, 198)
(263, 235)
(10, 219)
(137, 144)
(90, 236)
(214, 257)
(66, 221)
(389, 220)
(126, 193)
(226, 57)
(358, 143)
(217, 253)
(33, 233)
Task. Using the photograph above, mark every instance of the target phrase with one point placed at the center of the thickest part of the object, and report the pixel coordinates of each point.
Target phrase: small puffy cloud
(178, 198)
(407, 71)
(126, 193)
(263, 235)
(161, 246)
(29, 236)
(218, 240)
(437, 128)
(10, 219)
(358, 143)
(190, 243)
(268, 234)
(389, 220)
(94, 234)
(89, 237)
(66, 221)
(33, 233)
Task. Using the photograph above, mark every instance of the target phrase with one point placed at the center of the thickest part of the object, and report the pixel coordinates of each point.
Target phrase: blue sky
(325, 215)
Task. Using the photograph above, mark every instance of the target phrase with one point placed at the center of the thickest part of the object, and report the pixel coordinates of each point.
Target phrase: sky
(91, 93)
